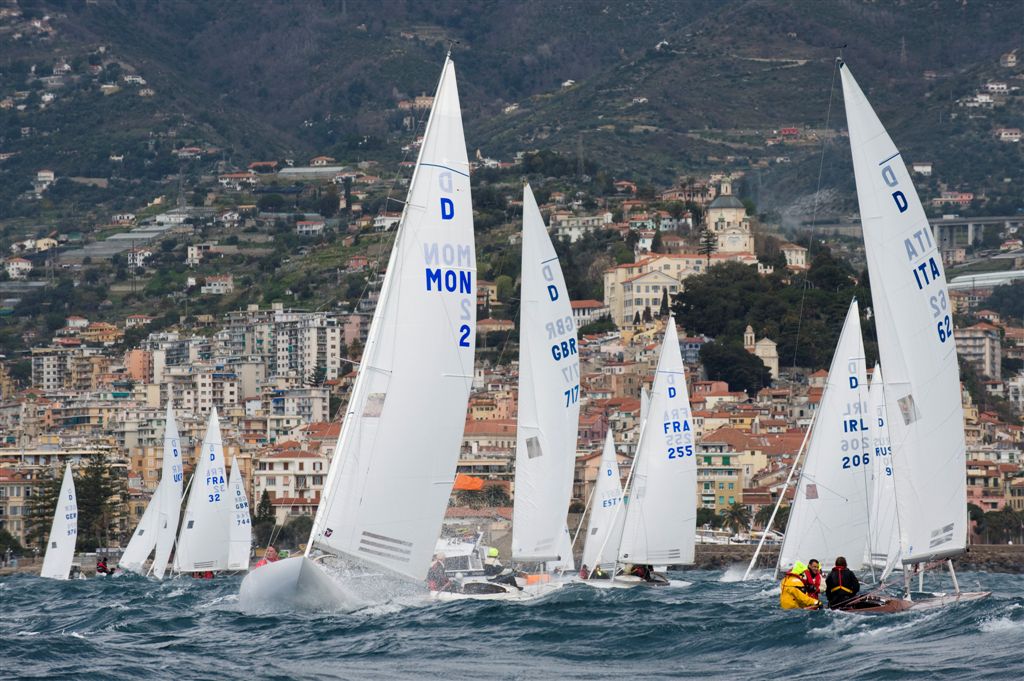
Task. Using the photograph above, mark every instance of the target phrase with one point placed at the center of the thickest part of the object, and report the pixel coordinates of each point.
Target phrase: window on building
(725, 460)
(271, 481)
(284, 466)
(721, 500)
(721, 485)
(732, 500)
(731, 486)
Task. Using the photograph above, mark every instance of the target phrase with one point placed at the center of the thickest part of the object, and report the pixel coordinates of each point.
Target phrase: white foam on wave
(1000, 624)
(73, 634)
(854, 626)
(27, 633)
(679, 583)
(735, 572)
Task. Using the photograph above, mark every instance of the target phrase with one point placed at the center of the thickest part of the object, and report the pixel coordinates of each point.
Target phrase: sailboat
(393, 467)
(604, 528)
(159, 524)
(917, 348)
(548, 416)
(204, 540)
(60, 546)
(241, 522)
(829, 513)
(883, 548)
(660, 522)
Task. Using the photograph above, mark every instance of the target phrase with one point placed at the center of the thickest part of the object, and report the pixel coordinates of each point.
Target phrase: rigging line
(814, 210)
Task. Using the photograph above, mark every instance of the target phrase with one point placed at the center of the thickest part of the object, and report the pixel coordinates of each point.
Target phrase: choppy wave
(715, 628)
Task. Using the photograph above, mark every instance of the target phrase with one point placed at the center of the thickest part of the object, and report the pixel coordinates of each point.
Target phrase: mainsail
(549, 392)
(829, 515)
(204, 539)
(394, 463)
(143, 539)
(171, 477)
(604, 529)
(60, 547)
(915, 340)
(661, 515)
(157, 521)
(241, 523)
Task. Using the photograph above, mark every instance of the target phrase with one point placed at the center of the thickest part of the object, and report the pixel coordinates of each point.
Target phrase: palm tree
(765, 512)
(736, 517)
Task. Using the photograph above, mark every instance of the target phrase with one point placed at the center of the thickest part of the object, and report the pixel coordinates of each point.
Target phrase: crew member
(841, 584)
(269, 556)
(584, 572)
(101, 567)
(492, 566)
(812, 578)
(437, 579)
(793, 596)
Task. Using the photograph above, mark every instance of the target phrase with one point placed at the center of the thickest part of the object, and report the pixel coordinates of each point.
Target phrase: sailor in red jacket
(812, 578)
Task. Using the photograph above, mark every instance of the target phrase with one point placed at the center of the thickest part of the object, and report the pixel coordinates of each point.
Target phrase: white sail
(604, 529)
(143, 539)
(565, 562)
(661, 514)
(829, 514)
(394, 464)
(884, 542)
(645, 404)
(241, 523)
(913, 317)
(549, 392)
(204, 539)
(169, 492)
(60, 547)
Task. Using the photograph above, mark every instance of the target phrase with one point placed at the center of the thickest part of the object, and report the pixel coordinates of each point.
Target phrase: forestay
(604, 529)
(204, 539)
(241, 523)
(661, 514)
(394, 463)
(915, 340)
(169, 492)
(884, 542)
(60, 547)
(549, 392)
(829, 515)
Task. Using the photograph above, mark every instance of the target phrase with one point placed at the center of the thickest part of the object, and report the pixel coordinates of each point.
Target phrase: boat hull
(943, 600)
(504, 593)
(289, 585)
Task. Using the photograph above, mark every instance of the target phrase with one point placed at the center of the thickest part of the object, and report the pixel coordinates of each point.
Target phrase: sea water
(710, 626)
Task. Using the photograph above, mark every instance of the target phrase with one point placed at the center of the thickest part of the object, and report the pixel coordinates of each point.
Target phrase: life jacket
(840, 586)
(812, 583)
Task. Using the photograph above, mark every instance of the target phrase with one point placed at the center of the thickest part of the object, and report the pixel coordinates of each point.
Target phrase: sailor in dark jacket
(841, 584)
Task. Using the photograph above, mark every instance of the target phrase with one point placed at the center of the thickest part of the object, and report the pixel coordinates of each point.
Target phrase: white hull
(292, 584)
(511, 593)
(941, 600)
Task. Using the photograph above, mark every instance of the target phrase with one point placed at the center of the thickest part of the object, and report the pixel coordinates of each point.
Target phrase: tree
(663, 309)
(736, 517)
(264, 522)
(318, 375)
(706, 517)
(765, 512)
(656, 244)
(636, 318)
(296, 531)
(505, 286)
(734, 365)
(647, 318)
(97, 489)
(496, 495)
(708, 244)
(8, 542)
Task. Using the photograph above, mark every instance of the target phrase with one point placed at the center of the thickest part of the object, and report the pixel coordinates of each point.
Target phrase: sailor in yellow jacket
(793, 596)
